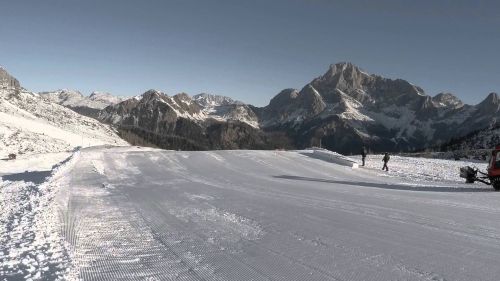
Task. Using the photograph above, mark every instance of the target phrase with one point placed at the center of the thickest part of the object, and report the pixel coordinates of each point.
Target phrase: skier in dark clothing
(385, 160)
(363, 155)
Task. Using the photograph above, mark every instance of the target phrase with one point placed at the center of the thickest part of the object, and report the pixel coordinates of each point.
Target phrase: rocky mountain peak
(63, 96)
(185, 104)
(365, 88)
(183, 98)
(447, 100)
(493, 98)
(151, 94)
(210, 100)
(491, 104)
(284, 97)
(344, 76)
(342, 67)
(97, 95)
(103, 99)
(311, 100)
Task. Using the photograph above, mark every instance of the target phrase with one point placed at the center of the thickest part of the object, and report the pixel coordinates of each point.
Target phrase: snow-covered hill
(32, 124)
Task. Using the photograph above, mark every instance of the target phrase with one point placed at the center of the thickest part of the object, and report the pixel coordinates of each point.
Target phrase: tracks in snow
(226, 216)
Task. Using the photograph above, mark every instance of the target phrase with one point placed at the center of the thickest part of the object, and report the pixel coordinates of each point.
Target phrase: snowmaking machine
(490, 177)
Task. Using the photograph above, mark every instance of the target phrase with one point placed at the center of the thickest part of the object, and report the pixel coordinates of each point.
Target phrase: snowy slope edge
(31, 219)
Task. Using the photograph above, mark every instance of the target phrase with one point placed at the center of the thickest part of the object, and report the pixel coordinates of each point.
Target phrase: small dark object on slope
(385, 160)
(363, 155)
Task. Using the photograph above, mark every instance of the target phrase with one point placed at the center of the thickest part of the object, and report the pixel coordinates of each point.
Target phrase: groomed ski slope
(142, 214)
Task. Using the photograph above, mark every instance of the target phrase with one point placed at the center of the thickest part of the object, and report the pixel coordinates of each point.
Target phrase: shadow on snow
(36, 177)
(389, 186)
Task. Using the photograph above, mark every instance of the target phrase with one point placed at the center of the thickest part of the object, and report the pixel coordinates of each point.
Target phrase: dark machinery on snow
(492, 175)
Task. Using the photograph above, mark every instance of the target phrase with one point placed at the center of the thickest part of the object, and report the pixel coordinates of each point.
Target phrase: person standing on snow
(385, 160)
(363, 155)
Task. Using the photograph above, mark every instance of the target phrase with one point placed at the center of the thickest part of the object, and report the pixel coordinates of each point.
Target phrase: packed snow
(131, 213)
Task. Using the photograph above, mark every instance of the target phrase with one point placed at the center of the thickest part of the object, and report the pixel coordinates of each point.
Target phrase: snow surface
(130, 213)
(31, 244)
(420, 169)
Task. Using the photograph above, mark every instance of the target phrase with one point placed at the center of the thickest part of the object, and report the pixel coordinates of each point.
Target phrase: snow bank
(31, 245)
(333, 157)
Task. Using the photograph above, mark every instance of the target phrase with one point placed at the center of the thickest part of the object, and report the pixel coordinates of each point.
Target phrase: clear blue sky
(248, 50)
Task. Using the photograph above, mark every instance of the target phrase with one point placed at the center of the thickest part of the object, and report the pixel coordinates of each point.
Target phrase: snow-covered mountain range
(180, 121)
(31, 123)
(343, 110)
(199, 107)
(86, 105)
